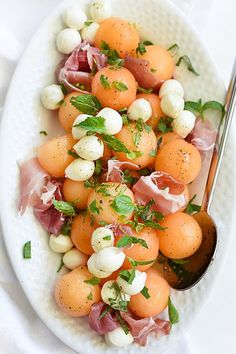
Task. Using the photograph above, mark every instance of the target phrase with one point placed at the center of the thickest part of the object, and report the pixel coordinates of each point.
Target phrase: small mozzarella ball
(119, 338)
(89, 32)
(102, 237)
(80, 170)
(51, 96)
(74, 258)
(90, 148)
(113, 120)
(184, 123)
(172, 104)
(67, 40)
(92, 267)
(110, 259)
(108, 292)
(171, 86)
(100, 10)
(140, 109)
(78, 132)
(137, 284)
(60, 244)
(74, 17)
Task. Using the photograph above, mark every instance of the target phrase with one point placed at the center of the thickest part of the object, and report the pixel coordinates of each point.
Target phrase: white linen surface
(21, 331)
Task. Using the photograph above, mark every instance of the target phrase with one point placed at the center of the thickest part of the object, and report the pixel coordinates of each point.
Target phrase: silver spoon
(185, 274)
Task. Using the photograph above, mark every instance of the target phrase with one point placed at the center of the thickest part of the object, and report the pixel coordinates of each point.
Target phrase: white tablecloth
(21, 331)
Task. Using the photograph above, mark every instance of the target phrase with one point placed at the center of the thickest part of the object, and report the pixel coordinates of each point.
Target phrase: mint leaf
(122, 204)
(141, 47)
(147, 43)
(43, 132)
(173, 313)
(73, 154)
(114, 143)
(143, 90)
(164, 125)
(88, 23)
(137, 263)
(94, 208)
(188, 63)
(173, 49)
(27, 250)
(105, 312)
(93, 124)
(66, 227)
(90, 296)
(87, 104)
(132, 155)
(192, 208)
(120, 86)
(129, 240)
(65, 208)
(92, 281)
(60, 266)
(199, 107)
(122, 323)
(107, 238)
(98, 167)
(145, 293)
(104, 81)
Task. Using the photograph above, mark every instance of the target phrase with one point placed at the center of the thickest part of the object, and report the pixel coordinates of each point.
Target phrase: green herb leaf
(87, 104)
(120, 86)
(137, 263)
(105, 312)
(92, 281)
(145, 293)
(141, 49)
(73, 154)
(164, 125)
(153, 153)
(122, 204)
(114, 143)
(153, 70)
(64, 89)
(143, 90)
(132, 155)
(93, 124)
(122, 323)
(98, 167)
(103, 223)
(90, 296)
(65, 208)
(107, 238)
(137, 137)
(128, 178)
(112, 56)
(173, 313)
(104, 81)
(60, 266)
(194, 106)
(88, 23)
(27, 250)
(94, 208)
(187, 61)
(180, 261)
(174, 49)
(192, 208)
(102, 189)
(147, 43)
(127, 241)
(125, 119)
(199, 107)
(127, 275)
(43, 132)
(214, 105)
(66, 227)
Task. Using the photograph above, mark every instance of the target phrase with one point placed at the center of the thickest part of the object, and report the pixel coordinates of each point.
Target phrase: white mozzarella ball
(80, 170)
(92, 267)
(90, 148)
(74, 17)
(78, 132)
(140, 109)
(172, 104)
(100, 10)
(110, 259)
(60, 243)
(137, 284)
(109, 292)
(74, 258)
(67, 40)
(51, 96)
(171, 86)
(119, 338)
(89, 32)
(184, 123)
(113, 120)
(102, 237)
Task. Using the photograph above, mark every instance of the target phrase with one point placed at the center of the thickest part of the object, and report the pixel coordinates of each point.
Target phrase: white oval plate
(160, 22)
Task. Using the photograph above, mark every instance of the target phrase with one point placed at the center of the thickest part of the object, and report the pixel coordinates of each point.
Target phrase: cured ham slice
(115, 167)
(202, 136)
(104, 325)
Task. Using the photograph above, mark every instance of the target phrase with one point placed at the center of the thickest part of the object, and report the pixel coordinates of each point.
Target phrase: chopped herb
(114, 143)
(92, 281)
(199, 107)
(180, 261)
(103, 190)
(143, 90)
(66, 227)
(43, 132)
(164, 125)
(112, 56)
(137, 137)
(98, 167)
(145, 293)
(73, 154)
(147, 43)
(143, 217)
(118, 302)
(88, 23)
(120, 86)
(159, 142)
(27, 250)
(127, 241)
(187, 61)
(87, 104)
(91, 183)
(103, 223)
(123, 110)
(127, 275)
(140, 125)
(173, 313)
(125, 119)
(153, 70)
(104, 81)
(107, 238)
(90, 296)
(144, 172)
(60, 266)
(174, 49)
(192, 208)
(105, 312)
(132, 155)
(93, 124)
(141, 48)
(122, 323)
(94, 208)
(137, 263)
(122, 204)
(153, 153)
(64, 89)
(128, 178)
(65, 208)
(80, 86)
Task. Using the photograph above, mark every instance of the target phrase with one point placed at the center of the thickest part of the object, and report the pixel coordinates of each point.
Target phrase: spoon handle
(230, 109)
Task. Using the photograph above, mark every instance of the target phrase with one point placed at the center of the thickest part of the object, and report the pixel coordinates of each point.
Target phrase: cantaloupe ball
(161, 63)
(119, 34)
(76, 192)
(104, 203)
(73, 295)
(182, 236)
(67, 112)
(81, 232)
(157, 113)
(53, 155)
(179, 159)
(167, 137)
(146, 145)
(140, 253)
(159, 291)
(121, 91)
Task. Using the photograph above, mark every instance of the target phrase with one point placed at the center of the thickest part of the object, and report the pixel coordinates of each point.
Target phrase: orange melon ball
(73, 295)
(121, 90)
(106, 203)
(182, 236)
(159, 291)
(146, 145)
(167, 137)
(76, 192)
(81, 232)
(119, 34)
(140, 253)
(157, 113)
(53, 155)
(161, 63)
(179, 159)
(67, 112)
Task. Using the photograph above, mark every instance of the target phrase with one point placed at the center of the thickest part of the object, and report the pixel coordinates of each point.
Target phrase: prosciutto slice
(115, 167)
(140, 69)
(77, 67)
(104, 325)
(141, 328)
(202, 136)
(163, 189)
(121, 229)
(50, 218)
(32, 181)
